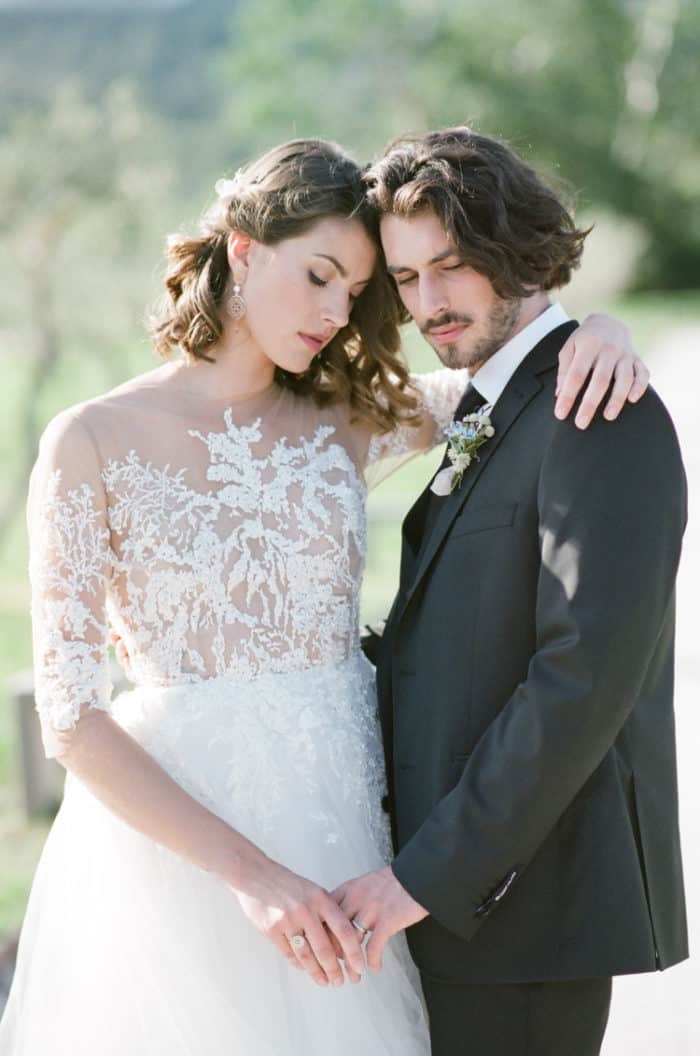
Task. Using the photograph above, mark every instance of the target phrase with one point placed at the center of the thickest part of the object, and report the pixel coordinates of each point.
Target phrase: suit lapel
(411, 537)
(521, 389)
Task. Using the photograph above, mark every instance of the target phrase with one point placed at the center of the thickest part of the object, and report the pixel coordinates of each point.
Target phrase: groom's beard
(498, 327)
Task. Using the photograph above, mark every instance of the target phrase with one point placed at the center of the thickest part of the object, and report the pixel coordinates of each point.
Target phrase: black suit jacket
(525, 680)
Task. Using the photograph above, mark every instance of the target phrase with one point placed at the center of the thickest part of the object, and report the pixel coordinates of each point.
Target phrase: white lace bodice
(216, 539)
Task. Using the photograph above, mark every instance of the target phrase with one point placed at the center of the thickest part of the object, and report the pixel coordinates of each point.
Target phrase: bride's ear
(237, 250)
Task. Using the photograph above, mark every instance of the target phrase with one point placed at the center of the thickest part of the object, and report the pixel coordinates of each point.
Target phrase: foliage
(601, 92)
(82, 187)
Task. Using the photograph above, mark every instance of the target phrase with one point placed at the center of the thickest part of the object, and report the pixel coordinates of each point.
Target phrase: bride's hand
(603, 346)
(282, 905)
(121, 653)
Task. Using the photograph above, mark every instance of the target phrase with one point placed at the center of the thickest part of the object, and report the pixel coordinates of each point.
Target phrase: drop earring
(236, 306)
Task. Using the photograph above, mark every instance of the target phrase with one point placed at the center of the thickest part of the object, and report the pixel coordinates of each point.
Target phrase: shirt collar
(492, 378)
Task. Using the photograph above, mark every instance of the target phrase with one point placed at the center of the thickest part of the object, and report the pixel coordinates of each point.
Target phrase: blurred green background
(117, 118)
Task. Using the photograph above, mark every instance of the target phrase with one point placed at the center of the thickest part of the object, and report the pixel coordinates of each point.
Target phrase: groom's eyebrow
(397, 268)
(341, 270)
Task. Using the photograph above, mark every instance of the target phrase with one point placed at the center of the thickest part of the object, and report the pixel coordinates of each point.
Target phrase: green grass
(649, 318)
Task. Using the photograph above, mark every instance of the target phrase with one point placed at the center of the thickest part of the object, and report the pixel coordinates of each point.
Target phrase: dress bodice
(217, 538)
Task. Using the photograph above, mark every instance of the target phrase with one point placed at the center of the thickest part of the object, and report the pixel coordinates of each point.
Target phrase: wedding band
(365, 931)
(297, 942)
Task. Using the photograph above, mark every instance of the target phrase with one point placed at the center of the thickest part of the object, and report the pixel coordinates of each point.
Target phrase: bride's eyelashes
(317, 281)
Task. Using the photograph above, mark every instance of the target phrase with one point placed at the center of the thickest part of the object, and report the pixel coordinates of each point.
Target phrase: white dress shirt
(491, 379)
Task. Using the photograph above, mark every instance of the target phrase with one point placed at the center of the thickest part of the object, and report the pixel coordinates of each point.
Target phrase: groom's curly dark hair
(502, 217)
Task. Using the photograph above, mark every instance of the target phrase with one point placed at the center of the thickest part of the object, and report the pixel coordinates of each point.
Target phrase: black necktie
(470, 402)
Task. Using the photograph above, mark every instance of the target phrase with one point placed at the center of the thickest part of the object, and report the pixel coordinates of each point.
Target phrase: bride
(212, 512)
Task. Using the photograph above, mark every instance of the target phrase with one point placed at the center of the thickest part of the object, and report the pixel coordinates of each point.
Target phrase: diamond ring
(297, 942)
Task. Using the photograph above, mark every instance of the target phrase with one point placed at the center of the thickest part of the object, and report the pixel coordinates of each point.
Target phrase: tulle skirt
(128, 950)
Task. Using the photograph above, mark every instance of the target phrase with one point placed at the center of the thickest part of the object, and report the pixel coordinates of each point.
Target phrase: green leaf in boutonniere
(464, 438)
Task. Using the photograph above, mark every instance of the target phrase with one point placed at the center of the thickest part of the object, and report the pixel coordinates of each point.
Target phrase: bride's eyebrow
(341, 270)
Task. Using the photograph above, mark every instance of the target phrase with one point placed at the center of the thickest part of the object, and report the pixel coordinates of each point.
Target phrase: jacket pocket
(480, 519)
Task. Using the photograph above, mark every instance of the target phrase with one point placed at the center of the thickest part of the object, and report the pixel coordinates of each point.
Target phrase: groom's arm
(612, 509)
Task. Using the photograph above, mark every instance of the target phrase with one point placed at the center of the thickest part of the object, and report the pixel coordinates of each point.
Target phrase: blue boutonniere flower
(464, 438)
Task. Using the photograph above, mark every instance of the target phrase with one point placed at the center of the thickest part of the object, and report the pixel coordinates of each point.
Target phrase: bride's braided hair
(278, 196)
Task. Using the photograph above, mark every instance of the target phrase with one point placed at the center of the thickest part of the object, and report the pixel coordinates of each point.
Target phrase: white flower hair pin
(227, 187)
(464, 438)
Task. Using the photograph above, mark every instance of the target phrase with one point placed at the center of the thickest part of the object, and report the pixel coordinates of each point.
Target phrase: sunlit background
(117, 118)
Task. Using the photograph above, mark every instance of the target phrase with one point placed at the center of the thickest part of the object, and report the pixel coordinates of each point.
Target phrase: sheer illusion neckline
(167, 392)
(260, 397)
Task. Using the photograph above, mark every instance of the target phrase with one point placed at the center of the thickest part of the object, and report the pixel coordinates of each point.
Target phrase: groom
(525, 674)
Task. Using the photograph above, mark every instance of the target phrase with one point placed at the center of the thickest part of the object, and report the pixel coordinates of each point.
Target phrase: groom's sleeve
(612, 510)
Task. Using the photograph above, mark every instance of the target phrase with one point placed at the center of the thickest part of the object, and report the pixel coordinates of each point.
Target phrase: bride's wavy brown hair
(281, 195)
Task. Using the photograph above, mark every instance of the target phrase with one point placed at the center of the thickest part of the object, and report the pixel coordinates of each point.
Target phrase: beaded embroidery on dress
(226, 544)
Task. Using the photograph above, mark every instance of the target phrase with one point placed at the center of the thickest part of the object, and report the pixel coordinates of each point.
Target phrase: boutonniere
(464, 438)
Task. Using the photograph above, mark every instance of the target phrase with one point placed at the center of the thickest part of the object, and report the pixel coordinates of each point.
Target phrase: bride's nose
(336, 310)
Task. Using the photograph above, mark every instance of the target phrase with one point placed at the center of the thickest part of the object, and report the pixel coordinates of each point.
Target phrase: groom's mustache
(445, 320)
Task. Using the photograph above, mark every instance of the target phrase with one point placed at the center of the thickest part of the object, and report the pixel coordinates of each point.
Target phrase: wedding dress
(225, 542)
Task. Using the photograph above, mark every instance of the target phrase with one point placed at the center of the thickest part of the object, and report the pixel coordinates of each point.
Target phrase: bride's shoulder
(98, 418)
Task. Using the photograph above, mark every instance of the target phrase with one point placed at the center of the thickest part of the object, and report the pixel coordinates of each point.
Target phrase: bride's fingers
(565, 356)
(349, 938)
(334, 942)
(283, 945)
(317, 939)
(306, 958)
(624, 380)
(339, 893)
(641, 381)
(595, 391)
(352, 975)
(578, 368)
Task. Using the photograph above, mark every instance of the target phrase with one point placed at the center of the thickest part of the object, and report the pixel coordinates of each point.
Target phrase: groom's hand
(377, 903)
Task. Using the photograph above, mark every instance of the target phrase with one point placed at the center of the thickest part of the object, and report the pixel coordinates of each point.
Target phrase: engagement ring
(297, 942)
(365, 931)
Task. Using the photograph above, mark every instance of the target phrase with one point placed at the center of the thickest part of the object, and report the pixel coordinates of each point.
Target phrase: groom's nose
(432, 297)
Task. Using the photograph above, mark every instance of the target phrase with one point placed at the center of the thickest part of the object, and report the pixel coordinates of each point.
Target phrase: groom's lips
(445, 334)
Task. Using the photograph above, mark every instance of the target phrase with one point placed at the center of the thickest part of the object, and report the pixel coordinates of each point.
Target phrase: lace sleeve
(69, 567)
(438, 395)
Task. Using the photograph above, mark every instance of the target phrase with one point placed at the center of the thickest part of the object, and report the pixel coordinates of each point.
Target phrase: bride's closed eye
(318, 281)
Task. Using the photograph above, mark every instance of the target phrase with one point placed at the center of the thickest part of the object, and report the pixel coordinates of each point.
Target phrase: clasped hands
(379, 904)
(315, 930)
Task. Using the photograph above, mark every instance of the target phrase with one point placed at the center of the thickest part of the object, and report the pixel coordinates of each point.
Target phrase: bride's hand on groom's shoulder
(287, 909)
(600, 352)
(379, 907)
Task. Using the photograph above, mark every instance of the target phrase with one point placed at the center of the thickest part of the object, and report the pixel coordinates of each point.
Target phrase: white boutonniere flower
(464, 438)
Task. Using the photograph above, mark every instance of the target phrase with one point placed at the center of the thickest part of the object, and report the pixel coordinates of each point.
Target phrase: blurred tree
(605, 92)
(165, 48)
(300, 68)
(83, 189)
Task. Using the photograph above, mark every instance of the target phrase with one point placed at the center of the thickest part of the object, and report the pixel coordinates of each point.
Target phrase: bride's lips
(314, 341)
(445, 334)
